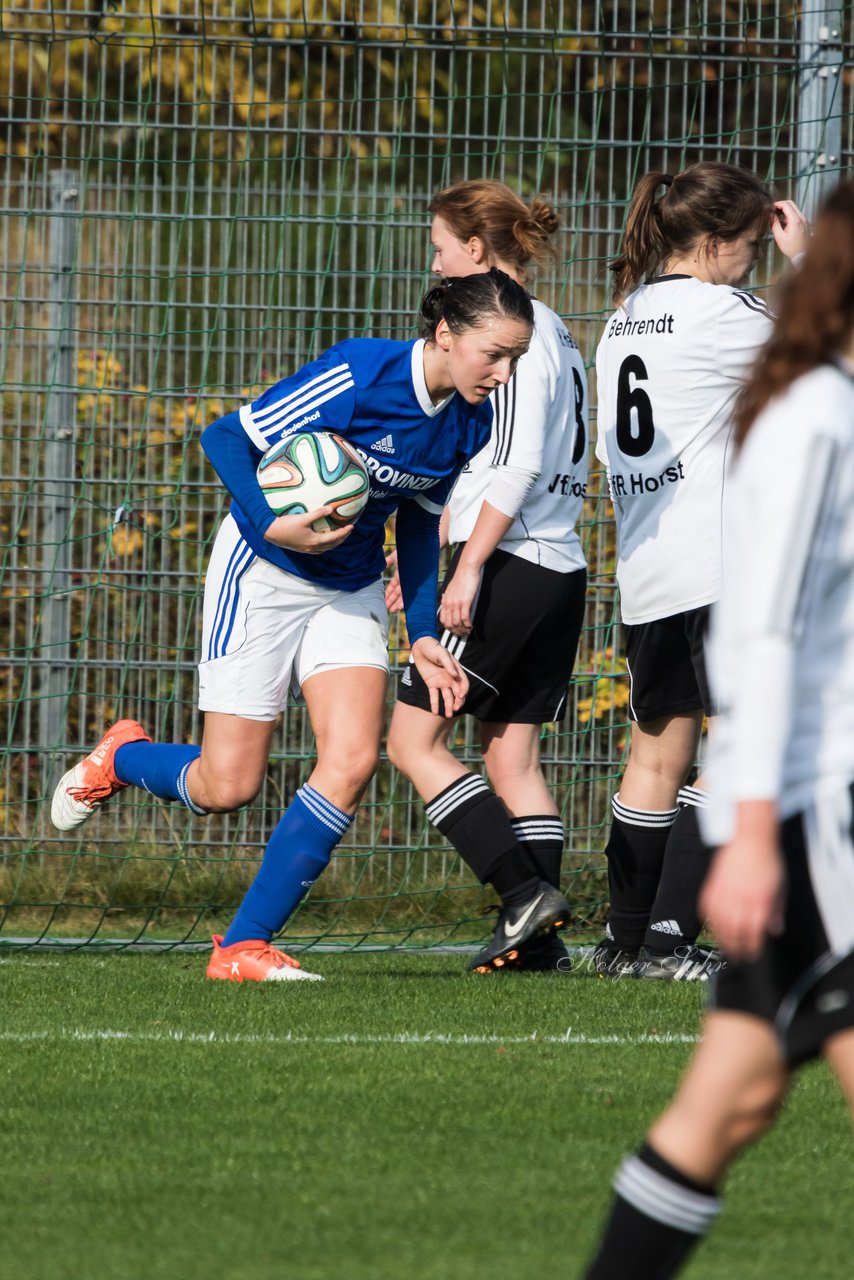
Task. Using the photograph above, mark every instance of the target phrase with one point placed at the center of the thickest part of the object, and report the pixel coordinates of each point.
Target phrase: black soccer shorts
(803, 981)
(520, 653)
(667, 666)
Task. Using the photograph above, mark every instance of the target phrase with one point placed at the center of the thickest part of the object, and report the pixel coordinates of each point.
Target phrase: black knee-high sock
(674, 920)
(474, 820)
(635, 851)
(658, 1217)
(542, 837)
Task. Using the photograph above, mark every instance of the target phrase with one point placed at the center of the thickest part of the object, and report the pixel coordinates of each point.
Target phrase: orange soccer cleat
(254, 961)
(85, 787)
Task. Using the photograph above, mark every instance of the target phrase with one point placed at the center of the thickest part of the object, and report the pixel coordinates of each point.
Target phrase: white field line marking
(569, 1037)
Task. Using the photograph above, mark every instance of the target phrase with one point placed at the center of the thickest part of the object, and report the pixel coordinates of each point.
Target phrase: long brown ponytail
(671, 214)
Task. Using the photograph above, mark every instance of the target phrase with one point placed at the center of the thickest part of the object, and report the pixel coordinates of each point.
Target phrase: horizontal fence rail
(196, 198)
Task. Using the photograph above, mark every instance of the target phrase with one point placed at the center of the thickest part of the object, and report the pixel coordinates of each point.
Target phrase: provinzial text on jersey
(634, 482)
(383, 473)
(630, 328)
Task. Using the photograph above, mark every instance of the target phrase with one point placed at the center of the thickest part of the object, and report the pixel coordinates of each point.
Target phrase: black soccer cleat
(613, 961)
(685, 964)
(546, 910)
(544, 954)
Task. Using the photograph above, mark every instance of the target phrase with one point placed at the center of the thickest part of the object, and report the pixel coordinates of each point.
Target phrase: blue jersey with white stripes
(372, 392)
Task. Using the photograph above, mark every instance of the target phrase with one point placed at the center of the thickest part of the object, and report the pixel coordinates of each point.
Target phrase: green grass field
(401, 1121)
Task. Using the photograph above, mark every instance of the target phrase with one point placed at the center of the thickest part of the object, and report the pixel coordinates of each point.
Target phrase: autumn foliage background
(250, 180)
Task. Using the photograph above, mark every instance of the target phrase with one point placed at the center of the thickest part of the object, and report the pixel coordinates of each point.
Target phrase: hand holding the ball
(442, 674)
(296, 533)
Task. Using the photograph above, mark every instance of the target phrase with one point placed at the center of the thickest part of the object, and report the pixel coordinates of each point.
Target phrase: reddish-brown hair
(512, 231)
(815, 311)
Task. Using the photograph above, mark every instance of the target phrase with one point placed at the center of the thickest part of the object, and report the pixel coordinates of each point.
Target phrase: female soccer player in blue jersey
(668, 366)
(780, 893)
(287, 607)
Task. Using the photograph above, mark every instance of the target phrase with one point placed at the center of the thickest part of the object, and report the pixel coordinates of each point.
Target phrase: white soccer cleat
(84, 788)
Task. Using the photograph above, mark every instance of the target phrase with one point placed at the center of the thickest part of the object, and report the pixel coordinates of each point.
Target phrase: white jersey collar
(419, 382)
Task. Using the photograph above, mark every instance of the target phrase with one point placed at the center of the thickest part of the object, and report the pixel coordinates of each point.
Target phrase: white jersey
(781, 646)
(668, 366)
(539, 428)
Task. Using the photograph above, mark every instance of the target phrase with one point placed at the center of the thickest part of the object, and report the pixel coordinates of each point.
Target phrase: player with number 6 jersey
(669, 365)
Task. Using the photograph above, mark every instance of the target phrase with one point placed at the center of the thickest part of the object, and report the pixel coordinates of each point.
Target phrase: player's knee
(224, 794)
(396, 747)
(353, 769)
(754, 1113)
(516, 773)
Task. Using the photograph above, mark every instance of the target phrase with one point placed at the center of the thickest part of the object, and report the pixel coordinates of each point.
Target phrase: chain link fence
(197, 197)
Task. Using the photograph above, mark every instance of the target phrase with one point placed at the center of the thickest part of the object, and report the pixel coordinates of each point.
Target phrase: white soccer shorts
(266, 631)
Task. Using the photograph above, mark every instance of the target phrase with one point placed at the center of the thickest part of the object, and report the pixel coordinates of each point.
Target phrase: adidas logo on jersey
(386, 445)
(667, 926)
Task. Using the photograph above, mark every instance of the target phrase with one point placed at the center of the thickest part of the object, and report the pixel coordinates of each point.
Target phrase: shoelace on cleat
(279, 957)
(91, 795)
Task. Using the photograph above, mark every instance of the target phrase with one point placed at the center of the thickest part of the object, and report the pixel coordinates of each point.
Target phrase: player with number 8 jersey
(512, 603)
(669, 365)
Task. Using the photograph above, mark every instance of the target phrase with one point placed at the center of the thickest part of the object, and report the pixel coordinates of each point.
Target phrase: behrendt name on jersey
(630, 328)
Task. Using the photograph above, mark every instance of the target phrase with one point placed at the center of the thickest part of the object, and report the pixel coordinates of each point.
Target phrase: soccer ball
(311, 469)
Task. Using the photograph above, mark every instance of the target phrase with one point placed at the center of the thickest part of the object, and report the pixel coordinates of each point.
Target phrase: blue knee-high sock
(159, 768)
(297, 852)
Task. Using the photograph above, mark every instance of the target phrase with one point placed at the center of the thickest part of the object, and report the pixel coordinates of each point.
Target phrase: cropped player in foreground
(513, 600)
(780, 893)
(669, 365)
(289, 607)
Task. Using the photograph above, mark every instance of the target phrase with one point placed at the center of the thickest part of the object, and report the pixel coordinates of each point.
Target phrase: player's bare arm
(460, 594)
(743, 895)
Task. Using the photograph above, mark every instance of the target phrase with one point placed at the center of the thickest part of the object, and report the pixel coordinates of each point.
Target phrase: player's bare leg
(230, 770)
(418, 747)
(346, 707)
(511, 753)
(729, 1097)
(667, 1193)
(661, 754)
(839, 1054)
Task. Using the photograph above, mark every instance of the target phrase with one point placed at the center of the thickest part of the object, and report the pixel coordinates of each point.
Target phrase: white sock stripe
(183, 792)
(665, 1201)
(695, 796)
(643, 817)
(539, 829)
(460, 793)
(335, 819)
